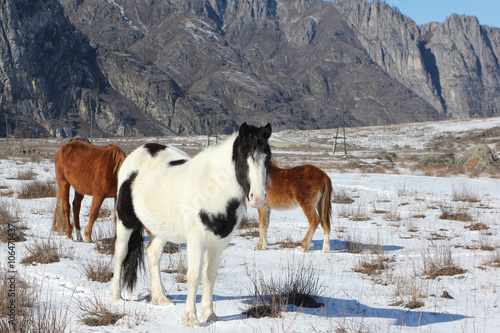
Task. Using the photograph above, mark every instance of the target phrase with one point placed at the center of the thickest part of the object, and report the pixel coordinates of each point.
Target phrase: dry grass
(37, 189)
(287, 243)
(98, 270)
(465, 195)
(440, 263)
(11, 230)
(249, 223)
(41, 252)
(455, 214)
(342, 197)
(298, 287)
(33, 314)
(96, 312)
(373, 267)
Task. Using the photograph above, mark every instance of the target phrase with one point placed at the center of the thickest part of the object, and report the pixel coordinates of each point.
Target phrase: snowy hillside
(411, 249)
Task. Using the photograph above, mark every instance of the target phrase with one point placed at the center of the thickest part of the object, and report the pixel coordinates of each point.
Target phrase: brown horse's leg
(264, 213)
(94, 212)
(313, 218)
(64, 192)
(77, 204)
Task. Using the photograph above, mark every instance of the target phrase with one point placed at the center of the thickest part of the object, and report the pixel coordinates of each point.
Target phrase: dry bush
(455, 214)
(359, 214)
(465, 195)
(287, 243)
(11, 230)
(477, 227)
(298, 287)
(440, 263)
(408, 292)
(41, 252)
(250, 234)
(248, 223)
(493, 260)
(373, 267)
(26, 175)
(98, 270)
(178, 267)
(171, 248)
(37, 189)
(342, 197)
(96, 312)
(32, 314)
(105, 237)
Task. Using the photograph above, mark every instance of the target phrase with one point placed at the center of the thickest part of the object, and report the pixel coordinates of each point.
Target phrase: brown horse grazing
(306, 186)
(91, 171)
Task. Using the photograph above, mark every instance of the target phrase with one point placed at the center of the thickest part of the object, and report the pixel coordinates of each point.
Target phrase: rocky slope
(146, 67)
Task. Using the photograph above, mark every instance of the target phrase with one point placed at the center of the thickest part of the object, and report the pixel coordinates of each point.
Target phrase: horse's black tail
(134, 259)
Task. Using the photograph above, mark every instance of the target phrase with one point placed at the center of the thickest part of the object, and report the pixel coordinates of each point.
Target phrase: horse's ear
(267, 131)
(243, 129)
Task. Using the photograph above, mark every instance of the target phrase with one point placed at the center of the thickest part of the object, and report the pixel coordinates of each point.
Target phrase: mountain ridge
(198, 67)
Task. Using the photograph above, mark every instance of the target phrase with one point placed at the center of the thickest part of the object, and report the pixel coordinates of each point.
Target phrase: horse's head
(252, 158)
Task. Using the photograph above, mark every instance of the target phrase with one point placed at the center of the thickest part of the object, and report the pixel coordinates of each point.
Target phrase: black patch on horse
(177, 162)
(221, 224)
(250, 139)
(124, 205)
(154, 148)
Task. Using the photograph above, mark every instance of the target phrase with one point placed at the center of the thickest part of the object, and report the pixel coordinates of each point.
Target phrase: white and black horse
(198, 201)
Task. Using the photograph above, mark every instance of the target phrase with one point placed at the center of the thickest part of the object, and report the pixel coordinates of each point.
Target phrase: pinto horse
(198, 201)
(90, 170)
(306, 186)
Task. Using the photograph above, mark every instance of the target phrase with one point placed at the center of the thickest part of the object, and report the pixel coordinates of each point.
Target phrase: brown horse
(91, 171)
(306, 186)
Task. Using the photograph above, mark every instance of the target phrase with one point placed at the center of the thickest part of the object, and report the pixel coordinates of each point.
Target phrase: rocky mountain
(151, 67)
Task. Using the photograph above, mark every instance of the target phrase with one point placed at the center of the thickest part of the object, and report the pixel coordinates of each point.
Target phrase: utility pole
(340, 123)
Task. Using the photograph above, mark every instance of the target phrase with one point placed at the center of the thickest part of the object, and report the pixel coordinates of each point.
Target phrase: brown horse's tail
(325, 205)
(58, 223)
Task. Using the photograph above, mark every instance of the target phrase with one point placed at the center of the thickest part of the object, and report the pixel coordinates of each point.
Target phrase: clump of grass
(26, 175)
(171, 248)
(178, 268)
(32, 313)
(299, 287)
(248, 223)
(287, 243)
(98, 270)
(10, 228)
(41, 252)
(477, 227)
(342, 197)
(465, 195)
(494, 260)
(458, 214)
(373, 267)
(37, 189)
(250, 234)
(95, 312)
(440, 264)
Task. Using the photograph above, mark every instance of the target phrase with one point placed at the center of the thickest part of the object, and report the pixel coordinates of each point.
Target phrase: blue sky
(425, 11)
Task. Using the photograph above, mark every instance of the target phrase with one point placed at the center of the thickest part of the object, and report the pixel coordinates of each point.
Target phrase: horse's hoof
(190, 320)
(211, 318)
(161, 301)
(88, 240)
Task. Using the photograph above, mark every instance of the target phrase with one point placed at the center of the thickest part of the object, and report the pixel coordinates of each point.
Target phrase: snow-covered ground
(394, 219)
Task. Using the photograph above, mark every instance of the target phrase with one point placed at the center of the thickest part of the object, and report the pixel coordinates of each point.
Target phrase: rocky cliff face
(453, 66)
(196, 66)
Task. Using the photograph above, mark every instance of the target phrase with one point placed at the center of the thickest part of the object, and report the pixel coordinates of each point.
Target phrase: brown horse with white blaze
(306, 186)
(90, 170)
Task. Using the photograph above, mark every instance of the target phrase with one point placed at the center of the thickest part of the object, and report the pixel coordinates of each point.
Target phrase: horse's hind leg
(264, 213)
(77, 204)
(313, 219)
(94, 213)
(212, 257)
(64, 192)
(121, 249)
(154, 252)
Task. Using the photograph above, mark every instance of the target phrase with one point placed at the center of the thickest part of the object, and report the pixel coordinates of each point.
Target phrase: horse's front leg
(212, 258)
(195, 258)
(264, 213)
(94, 213)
